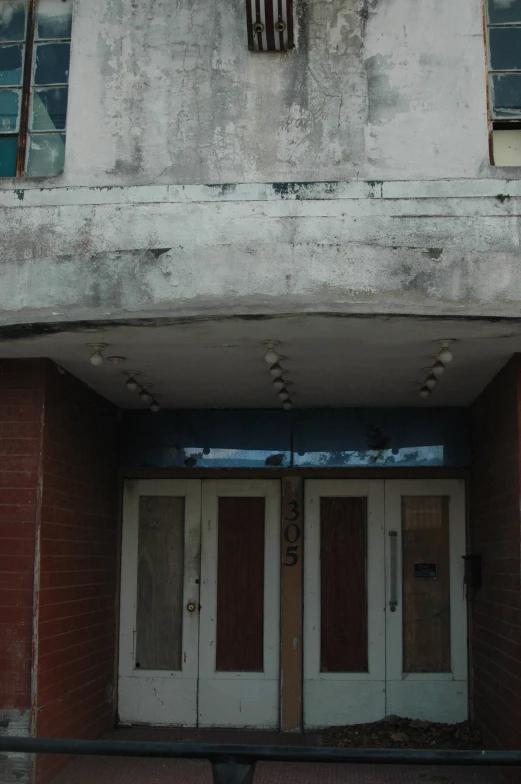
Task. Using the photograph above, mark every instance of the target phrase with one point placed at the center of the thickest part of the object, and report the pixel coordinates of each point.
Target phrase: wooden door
(344, 594)
(240, 598)
(159, 623)
(426, 608)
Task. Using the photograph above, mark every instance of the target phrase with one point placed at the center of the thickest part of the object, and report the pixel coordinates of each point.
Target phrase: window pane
(12, 20)
(8, 150)
(506, 91)
(46, 154)
(505, 48)
(54, 19)
(160, 583)
(49, 109)
(504, 11)
(426, 584)
(52, 64)
(11, 65)
(9, 110)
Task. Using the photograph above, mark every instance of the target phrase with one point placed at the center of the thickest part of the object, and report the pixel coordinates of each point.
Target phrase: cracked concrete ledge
(32, 196)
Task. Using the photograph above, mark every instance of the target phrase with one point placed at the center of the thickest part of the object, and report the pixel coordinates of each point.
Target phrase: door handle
(393, 588)
(190, 607)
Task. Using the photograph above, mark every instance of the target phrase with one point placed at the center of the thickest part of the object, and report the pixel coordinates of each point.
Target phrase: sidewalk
(129, 770)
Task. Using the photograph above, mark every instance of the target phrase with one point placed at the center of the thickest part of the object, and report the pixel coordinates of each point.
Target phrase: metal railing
(235, 764)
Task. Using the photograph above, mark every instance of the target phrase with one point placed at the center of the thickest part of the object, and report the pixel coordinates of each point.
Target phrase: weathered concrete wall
(441, 248)
(165, 91)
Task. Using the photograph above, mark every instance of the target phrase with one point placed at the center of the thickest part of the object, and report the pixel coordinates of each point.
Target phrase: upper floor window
(35, 40)
(504, 65)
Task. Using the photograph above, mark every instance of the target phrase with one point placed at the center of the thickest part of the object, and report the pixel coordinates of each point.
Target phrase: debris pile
(395, 732)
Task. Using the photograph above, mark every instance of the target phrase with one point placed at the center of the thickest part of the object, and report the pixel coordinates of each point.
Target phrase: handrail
(236, 763)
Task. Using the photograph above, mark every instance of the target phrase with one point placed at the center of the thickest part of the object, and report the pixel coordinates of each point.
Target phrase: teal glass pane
(504, 11)
(52, 64)
(8, 152)
(46, 154)
(506, 92)
(505, 48)
(11, 65)
(12, 20)
(9, 110)
(54, 19)
(49, 109)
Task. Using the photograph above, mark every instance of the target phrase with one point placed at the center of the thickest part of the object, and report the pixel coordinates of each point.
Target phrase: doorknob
(190, 606)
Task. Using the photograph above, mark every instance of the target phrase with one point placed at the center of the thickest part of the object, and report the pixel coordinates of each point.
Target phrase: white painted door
(403, 651)
(159, 619)
(344, 599)
(427, 630)
(199, 631)
(240, 604)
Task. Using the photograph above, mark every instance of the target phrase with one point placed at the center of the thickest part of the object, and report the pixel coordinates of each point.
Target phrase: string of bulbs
(280, 384)
(143, 389)
(442, 359)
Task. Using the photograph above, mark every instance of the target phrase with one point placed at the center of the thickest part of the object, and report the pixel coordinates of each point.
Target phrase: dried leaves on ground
(395, 732)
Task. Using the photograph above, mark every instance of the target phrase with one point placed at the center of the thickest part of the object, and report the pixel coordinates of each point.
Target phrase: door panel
(426, 634)
(240, 585)
(343, 585)
(344, 595)
(158, 665)
(240, 598)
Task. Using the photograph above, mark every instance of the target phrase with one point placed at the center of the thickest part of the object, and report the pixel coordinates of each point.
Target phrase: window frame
(497, 122)
(28, 89)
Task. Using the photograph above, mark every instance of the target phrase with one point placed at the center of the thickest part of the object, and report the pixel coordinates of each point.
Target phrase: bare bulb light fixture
(424, 393)
(276, 371)
(145, 395)
(438, 368)
(284, 395)
(96, 357)
(431, 381)
(446, 354)
(154, 406)
(271, 357)
(279, 383)
(131, 383)
(287, 406)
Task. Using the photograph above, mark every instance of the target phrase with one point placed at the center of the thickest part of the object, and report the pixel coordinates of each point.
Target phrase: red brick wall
(78, 566)
(21, 412)
(495, 534)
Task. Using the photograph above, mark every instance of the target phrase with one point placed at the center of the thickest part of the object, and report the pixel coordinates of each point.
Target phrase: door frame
(362, 685)
(146, 682)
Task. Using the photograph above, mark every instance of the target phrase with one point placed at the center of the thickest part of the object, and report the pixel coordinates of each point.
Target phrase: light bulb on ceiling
(131, 383)
(431, 381)
(424, 393)
(279, 383)
(284, 395)
(96, 357)
(438, 368)
(287, 406)
(154, 406)
(145, 396)
(271, 357)
(445, 355)
(276, 371)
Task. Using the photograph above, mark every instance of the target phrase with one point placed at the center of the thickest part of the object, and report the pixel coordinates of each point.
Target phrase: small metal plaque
(425, 571)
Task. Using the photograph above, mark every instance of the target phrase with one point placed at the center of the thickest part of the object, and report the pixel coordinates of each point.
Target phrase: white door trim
(151, 695)
(223, 701)
(330, 697)
(436, 696)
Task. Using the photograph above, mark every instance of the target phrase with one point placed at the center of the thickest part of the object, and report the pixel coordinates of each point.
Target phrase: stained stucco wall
(165, 91)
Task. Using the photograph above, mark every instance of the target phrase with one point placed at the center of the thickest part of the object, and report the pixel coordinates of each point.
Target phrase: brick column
(495, 525)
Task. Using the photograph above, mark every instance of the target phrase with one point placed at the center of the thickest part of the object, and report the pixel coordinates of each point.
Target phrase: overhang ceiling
(331, 361)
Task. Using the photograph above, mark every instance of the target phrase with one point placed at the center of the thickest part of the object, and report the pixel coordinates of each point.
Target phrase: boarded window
(343, 585)
(159, 634)
(426, 584)
(240, 585)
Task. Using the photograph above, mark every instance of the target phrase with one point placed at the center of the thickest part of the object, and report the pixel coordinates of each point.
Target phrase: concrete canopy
(330, 361)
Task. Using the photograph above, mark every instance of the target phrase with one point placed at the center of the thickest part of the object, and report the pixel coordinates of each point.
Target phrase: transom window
(35, 40)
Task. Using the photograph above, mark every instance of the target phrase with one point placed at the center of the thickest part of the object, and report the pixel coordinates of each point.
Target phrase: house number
(292, 534)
